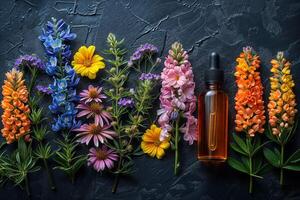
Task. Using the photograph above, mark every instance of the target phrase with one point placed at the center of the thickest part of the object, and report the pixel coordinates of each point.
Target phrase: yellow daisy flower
(151, 143)
(86, 63)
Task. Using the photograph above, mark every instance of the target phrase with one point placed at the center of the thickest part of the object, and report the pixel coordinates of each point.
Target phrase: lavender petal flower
(43, 89)
(149, 76)
(141, 51)
(31, 61)
(126, 102)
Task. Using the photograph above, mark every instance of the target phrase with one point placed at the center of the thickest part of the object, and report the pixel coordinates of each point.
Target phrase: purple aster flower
(43, 89)
(29, 61)
(149, 76)
(141, 51)
(126, 102)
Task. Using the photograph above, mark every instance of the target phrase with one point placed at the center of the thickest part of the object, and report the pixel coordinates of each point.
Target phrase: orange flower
(282, 102)
(15, 118)
(249, 104)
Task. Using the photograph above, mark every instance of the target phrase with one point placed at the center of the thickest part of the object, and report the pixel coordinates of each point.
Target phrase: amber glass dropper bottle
(213, 115)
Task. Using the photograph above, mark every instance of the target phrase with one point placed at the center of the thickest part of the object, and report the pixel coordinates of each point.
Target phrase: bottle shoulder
(214, 93)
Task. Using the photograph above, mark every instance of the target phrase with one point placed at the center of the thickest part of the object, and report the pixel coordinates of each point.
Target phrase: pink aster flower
(96, 133)
(102, 158)
(92, 94)
(96, 110)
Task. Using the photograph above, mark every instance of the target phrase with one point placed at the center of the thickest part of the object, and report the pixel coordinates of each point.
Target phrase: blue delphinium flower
(55, 37)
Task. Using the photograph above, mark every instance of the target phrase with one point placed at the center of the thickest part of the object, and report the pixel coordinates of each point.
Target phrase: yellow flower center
(96, 108)
(87, 62)
(101, 155)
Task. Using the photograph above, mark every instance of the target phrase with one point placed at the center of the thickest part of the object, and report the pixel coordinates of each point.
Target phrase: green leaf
(240, 142)
(295, 167)
(258, 147)
(234, 163)
(294, 158)
(272, 157)
(238, 149)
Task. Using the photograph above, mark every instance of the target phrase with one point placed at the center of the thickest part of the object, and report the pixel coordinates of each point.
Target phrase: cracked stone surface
(203, 26)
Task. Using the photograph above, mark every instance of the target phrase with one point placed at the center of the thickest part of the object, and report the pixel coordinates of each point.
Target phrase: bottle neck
(213, 86)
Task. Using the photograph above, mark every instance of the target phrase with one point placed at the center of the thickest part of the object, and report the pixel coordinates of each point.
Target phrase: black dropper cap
(214, 74)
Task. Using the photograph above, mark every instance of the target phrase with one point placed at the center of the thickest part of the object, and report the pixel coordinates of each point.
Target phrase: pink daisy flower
(97, 133)
(102, 158)
(92, 94)
(96, 110)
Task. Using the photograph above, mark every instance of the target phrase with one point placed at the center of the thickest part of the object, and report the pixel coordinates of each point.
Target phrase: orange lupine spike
(15, 118)
(281, 116)
(249, 104)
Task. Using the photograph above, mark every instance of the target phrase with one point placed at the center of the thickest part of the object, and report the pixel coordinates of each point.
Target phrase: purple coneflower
(101, 158)
(126, 102)
(94, 132)
(92, 94)
(96, 110)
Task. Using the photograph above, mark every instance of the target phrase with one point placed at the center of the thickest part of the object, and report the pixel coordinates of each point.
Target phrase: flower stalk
(250, 118)
(282, 114)
(132, 102)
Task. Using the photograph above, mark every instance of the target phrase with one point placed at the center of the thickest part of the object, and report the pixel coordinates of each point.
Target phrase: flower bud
(123, 76)
(129, 148)
(113, 123)
(127, 130)
(124, 142)
(112, 70)
(121, 89)
(109, 109)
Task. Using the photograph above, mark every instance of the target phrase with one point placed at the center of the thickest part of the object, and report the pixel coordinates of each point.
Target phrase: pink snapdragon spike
(93, 132)
(102, 158)
(177, 96)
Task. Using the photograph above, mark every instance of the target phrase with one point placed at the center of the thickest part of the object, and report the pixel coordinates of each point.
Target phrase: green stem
(50, 181)
(250, 178)
(27, 186)
(281, 164)
(176, 163)
(250, 165)
(32, 80)
(117, 178)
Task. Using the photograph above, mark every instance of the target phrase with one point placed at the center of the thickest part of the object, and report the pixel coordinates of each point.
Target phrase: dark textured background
(202, 26)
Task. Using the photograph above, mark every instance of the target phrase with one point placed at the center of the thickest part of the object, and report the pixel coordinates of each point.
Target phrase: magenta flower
(102, 158)
(92, 94)
(97, 133)
(96, 110)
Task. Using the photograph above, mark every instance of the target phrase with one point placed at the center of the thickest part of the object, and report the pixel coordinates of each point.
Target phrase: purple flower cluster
(149, 76)
(29, 61)
(43, 89)
(141, 51)
(126, 102)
